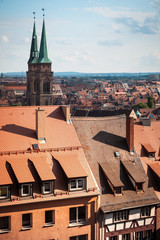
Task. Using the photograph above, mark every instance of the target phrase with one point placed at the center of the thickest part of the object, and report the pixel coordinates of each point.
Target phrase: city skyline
(83, 36)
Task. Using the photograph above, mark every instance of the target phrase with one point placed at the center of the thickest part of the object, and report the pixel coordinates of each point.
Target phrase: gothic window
(46, 87)
(36, 86)
(46, 102)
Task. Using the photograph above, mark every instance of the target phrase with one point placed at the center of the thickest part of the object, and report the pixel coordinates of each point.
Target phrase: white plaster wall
(119, 226)
(134, 213)
(120, 237)
(108, 218)
(111, 228)
(128, 224)
(140, 222)
(107, 238)
(152, 211)
(148, 221)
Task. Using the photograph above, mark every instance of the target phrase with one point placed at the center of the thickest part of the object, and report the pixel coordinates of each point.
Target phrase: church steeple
(43, 53)
(34, 54)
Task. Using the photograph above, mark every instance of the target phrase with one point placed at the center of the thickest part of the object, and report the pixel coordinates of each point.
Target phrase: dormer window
(139, 187)
(47, 187)
(25, 190)
(4, 193)
(77, 184)
(118, 190)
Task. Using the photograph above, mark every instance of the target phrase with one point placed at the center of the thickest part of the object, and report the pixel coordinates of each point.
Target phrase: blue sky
(83, 35)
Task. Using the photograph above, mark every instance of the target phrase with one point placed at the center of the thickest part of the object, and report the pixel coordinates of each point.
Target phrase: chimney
(130, 133)
(40, 124)
(66, 112)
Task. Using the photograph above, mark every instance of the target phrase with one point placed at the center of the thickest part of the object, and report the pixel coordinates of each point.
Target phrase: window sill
(5, 231)
(77, 224)
(26, 228)
(49, 224)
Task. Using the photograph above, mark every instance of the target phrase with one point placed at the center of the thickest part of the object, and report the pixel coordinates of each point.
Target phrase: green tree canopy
(150, 102)
(140, 105)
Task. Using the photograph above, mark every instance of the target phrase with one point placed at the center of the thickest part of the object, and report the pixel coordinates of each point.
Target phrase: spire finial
(34, 15)
(43, 12)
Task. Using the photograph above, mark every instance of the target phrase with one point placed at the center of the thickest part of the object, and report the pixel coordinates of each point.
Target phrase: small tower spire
(43, 53)
(34, 54)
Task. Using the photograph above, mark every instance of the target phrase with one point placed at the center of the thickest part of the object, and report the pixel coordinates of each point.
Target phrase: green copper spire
(43, 54)
(34, 54)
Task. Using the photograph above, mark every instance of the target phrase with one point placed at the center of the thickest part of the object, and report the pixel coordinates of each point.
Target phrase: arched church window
(46, 102)
(46, 87)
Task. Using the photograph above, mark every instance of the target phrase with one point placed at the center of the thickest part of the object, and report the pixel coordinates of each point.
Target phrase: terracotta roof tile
(4, 176)
(110, 171)
(155, 167)
(18, 129)
(70, 164)
(149, 148)
(134, 171)
(21, 170)
(44, 171)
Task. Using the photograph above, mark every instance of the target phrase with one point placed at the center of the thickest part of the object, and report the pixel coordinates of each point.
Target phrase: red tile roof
(111, 173)
(70, 164)
(18, 129)
(155, 167)
(21, 170)
(44, 171)
(149, 148)
(4, 176)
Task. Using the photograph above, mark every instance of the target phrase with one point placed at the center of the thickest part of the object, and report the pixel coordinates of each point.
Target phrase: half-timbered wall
(135, 223)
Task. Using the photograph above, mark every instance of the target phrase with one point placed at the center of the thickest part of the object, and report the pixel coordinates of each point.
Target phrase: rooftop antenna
(34, 15)
(43, 12)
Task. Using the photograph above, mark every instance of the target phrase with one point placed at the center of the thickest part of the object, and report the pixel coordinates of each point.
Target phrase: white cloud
(109, 13)
(5, 39)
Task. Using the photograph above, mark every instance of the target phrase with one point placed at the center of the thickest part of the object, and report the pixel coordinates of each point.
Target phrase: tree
(150, 102)
(140, 105)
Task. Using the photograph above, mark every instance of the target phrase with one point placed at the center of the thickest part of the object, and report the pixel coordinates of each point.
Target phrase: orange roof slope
(44, 171)
(70, 164)
(4, 176)
(134, 171)
(21, 170)
(145, 134)
(155, 167)
(18, 129)
(149, 148)
(111, 174)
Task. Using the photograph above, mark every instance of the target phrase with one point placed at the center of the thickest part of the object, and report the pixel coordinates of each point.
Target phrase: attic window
(116, 154)
(25, 190)
(35, 146)
(118, 190)
(77, 184)
(4, 192)
(139, 187)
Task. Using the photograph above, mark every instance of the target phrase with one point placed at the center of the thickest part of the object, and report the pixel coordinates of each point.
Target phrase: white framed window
(76, 184)
(77, 215)
(49, 218)
(4, 192)
(25, 190)
(121, 216)
(47, 187)
(27, 221)
(4, 224)
(145, 211)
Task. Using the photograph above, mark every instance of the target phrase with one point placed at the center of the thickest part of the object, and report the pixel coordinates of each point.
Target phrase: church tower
(39, 74)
